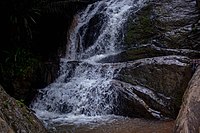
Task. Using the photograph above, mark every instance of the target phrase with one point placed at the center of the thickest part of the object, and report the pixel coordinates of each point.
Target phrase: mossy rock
(18, 116)
(140, 28)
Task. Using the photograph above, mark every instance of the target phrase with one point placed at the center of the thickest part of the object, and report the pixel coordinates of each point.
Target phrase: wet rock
(166, 28)
(132, 101)
(175, 22)
(188, 118)
(169, 23)
(153, 86)
(68, 69)
(93, 30)
(147, 51)
(140, 27)
(19, 118)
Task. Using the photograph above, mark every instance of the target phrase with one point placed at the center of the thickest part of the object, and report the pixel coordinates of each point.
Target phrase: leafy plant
(22, 15)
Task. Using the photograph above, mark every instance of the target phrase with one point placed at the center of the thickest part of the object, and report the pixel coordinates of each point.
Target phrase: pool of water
(115, 125)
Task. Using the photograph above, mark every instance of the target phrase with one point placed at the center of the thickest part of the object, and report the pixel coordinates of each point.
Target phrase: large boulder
(188, 119)
(152, 87)
(161, 28)
(169, 23)
(16, 117)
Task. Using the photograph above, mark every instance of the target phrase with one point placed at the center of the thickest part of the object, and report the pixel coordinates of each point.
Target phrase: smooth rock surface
(188, 120)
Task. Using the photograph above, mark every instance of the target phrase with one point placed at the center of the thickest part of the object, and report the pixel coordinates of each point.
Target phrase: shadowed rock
(147, 51)
(169, 23)
(153, 86)
(188, 119)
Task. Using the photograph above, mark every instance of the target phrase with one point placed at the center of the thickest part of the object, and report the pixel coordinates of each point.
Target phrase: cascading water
(84, 86)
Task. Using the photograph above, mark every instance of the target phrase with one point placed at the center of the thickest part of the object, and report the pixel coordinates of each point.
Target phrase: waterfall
(84, 86)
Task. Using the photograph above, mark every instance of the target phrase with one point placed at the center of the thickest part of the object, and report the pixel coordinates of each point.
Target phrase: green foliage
(20, 103)
(22, 15)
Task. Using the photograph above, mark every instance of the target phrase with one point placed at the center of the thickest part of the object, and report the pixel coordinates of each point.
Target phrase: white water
(83, 89)
(115, 14)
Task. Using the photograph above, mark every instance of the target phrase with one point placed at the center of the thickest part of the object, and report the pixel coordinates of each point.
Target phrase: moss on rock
(140, 27)
(15, 114)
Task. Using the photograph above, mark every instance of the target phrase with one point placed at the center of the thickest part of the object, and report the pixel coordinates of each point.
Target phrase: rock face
(15, 116)
(147, 51)
(198, 3)
(161, 28)
(188, 119)
(169, 24)
(152, 87)
(176, 26)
